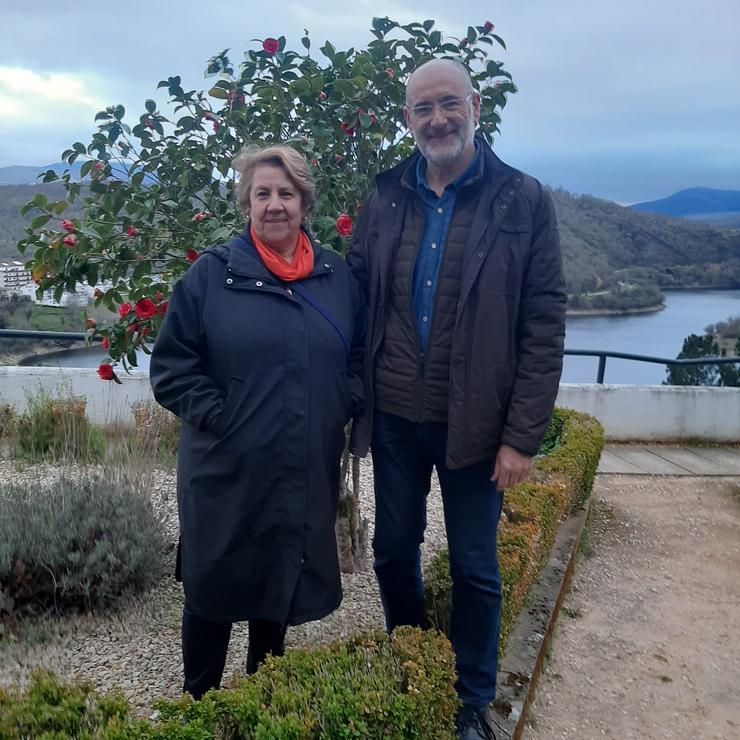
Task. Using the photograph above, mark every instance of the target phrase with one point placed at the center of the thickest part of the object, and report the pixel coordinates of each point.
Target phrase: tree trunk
(351, 528)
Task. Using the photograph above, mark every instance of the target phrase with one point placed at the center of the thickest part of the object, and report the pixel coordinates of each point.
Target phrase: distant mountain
(615, 257)
(694, 203)
(22, 175)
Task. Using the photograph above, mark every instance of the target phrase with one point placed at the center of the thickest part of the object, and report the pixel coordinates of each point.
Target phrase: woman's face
(276, 207)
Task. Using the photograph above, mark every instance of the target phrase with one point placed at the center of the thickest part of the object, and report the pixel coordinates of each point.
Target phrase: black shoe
(472, 725)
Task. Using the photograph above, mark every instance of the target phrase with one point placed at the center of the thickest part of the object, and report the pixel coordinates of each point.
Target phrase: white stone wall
(657, 412)
(628, 412)
(106, 401)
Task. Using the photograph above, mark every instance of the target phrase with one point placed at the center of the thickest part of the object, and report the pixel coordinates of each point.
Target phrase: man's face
(442, 112)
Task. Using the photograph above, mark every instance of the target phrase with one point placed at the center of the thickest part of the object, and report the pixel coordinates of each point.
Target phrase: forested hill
(626, 255)
(615, 257)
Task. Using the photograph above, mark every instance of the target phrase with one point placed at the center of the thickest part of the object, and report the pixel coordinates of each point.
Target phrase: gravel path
(648, 641)
(137, 648)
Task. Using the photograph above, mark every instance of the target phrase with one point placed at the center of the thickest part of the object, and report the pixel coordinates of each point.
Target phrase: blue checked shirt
(439, 212)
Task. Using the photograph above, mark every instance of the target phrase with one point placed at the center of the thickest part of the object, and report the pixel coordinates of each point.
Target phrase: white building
(13, 277)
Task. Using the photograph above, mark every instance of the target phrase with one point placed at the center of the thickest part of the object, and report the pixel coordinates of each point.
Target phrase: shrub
(561, 482)
(369, 687)
(56, 428)
(76, 542)
(7, 420)
(156, 431)
(159, 186)
(51, 710)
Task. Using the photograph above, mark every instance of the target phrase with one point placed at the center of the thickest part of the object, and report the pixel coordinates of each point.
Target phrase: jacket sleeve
(357, 257)
(177, 372)
(355, 369)
(540, 335)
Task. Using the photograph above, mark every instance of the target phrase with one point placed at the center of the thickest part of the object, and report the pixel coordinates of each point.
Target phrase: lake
(658, 334)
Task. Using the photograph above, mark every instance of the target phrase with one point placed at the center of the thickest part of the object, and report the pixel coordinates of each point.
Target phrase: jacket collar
(241, 258)
(404, 173)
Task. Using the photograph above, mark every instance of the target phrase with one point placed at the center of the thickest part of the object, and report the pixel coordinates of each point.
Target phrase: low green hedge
(560, 483)
(369, 687)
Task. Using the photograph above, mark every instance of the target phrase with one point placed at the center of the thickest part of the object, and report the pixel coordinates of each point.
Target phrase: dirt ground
(648, 641)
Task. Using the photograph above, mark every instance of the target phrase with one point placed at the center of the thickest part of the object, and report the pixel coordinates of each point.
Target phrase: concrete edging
(522, 664)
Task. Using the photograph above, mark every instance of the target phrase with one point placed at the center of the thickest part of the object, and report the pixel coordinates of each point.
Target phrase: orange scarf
(299, 267)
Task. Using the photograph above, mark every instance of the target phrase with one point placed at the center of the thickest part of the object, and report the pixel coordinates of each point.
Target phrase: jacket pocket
(225, 420)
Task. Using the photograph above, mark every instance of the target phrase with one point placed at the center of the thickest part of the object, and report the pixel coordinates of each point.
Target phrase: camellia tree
(158, 192)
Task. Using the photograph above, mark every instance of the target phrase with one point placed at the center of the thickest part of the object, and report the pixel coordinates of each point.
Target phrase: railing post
(602, 369)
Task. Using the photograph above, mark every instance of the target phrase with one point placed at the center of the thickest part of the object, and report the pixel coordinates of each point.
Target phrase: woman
(260, 355)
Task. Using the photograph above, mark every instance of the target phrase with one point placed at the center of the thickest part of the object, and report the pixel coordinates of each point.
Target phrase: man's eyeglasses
(448, 106)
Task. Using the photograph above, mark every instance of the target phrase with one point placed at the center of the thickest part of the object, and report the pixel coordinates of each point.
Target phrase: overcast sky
(628, 100)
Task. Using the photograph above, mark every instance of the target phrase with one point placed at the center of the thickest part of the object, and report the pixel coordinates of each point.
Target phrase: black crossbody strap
(322, 310)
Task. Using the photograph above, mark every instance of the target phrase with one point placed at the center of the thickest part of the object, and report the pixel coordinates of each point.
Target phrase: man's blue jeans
(404, 454)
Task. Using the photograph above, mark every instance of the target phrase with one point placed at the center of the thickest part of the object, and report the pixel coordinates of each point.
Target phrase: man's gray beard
(444, 157)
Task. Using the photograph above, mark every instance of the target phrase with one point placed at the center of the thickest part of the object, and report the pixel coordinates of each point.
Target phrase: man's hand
(511, 467)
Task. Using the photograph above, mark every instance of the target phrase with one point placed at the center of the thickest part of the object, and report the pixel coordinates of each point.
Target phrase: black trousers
(204, 646)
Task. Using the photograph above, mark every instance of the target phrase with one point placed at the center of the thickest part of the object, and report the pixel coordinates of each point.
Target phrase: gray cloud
(629, 101)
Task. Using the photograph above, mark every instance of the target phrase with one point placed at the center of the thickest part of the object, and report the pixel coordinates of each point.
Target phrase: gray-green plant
(79, 541)
(55, 428)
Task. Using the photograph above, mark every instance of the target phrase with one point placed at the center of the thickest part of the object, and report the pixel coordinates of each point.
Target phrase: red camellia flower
(105, 343)
(487, 27)
(145, 308)
(389, 72)
(91, 323)
(124, 310)
(149, 123)
(314, 162)
(271, 45)
(132, 231)
(67, 225)
(162, 308)
(70, 240)
(201, 216)
(105, 371)
(344, 225)
(99, 165)
(322, 96)
(97, 293)
(347, 129)
(216, 127)
(463, 43)
(191, 255)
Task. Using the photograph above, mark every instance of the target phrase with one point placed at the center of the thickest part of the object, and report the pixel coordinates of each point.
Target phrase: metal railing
(601, 354)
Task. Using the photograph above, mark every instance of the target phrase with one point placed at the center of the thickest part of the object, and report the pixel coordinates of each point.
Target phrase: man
(458, 256)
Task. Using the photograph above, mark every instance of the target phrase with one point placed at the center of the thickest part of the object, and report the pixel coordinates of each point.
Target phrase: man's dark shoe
(472, 725)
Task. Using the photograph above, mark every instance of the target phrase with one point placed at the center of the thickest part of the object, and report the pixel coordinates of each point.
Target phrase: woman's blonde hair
(278, 155)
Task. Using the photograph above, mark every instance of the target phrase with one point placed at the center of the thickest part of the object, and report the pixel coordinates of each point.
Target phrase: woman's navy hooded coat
(264, 380)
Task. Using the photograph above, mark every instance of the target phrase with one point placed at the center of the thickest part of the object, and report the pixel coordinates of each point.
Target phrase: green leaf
(435, 39)
(40, 200)
(131, 357)
(500, 40)
(218, 92)
(328, 50)
(150, 105)
(79, 147)
(306, 42)
(40, 221)
(60, 206)
(345, 87)
(472, 35)
(428, 25)
(223, 232)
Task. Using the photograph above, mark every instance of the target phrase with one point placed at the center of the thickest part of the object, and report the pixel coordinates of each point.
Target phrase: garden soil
(648, 642)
